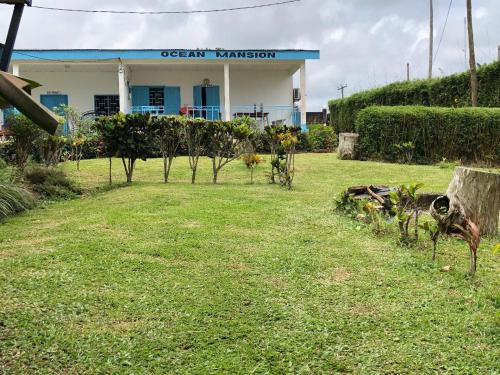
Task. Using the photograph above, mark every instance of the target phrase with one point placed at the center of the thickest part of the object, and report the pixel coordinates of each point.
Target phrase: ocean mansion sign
(200, 54)
(165, 54)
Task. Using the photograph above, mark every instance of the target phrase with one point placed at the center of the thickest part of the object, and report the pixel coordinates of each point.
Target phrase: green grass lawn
(238, 278)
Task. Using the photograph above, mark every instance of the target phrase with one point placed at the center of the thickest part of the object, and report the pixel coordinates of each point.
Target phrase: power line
(444, 28)
(62, 61)
(266, 5)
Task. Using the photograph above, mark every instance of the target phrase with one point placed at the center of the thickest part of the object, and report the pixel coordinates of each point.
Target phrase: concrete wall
(79, 86)
(248, 86)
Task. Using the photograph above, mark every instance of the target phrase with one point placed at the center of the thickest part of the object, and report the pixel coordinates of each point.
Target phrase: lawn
(159, 278)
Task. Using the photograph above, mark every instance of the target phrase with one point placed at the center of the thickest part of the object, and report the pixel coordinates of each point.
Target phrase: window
(105, 105)
(156, 96)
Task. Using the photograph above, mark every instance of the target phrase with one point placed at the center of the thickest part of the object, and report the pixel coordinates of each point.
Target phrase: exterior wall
(79, 86)
(248, 87)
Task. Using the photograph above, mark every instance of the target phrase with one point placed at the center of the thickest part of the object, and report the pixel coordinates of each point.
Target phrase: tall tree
(472, 57)
(431, 36)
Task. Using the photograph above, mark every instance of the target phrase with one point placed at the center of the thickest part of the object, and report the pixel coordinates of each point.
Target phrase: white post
(227, 97)
(303, 95)
(123, 88)
(15, 69)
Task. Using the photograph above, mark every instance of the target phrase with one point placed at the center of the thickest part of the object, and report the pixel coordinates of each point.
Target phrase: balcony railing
(264, 115)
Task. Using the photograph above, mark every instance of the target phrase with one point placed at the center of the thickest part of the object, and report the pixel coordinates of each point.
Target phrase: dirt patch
(335, 276)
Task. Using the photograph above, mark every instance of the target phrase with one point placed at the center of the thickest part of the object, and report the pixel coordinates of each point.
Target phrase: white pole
(15, 69)
(122, 88)
(303, 95)
(227, 96)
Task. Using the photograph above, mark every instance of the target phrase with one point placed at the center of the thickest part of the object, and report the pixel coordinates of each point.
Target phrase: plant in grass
(81, 131)
(126, 136)
(275, 148)
(288, 141)
(226, 141)
(433, 230)
(13, 198)
(194, 133)
(405, 151)
(375, 216)
(404, 207)
(50, 183)
(252, 160)
(25, 135)
(167, 133)
(52, 148)
(346, 204)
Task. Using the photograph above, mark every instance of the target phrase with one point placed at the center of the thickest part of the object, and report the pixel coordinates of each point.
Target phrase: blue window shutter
(172, 100)
(197, 96)
(140, 96)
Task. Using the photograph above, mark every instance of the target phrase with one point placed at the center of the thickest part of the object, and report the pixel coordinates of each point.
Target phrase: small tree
(433, 230)
(226, 142)
(25, 135)
(126, 136)
(81, 131)
(51, 149)
(272, 137)
(252, 160)
(405, 207)
(288, 141)
(194, 134)
(167, 132)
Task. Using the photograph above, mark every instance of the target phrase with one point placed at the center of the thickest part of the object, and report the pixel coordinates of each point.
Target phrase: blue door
(172, 99)
(213, 102)
(51, 101)
(209, 99)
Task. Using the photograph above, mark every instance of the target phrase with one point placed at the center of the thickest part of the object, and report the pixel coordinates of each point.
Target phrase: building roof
(163, 54)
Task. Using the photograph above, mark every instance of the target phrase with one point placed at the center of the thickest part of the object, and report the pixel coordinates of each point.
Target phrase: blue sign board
(167, 54)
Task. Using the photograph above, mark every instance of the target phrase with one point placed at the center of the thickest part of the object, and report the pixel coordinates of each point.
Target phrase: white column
(15, 69)
(303, 94)
(227, 97)
(123, 88)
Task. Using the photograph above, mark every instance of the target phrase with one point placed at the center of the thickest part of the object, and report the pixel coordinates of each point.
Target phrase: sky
(363, 43)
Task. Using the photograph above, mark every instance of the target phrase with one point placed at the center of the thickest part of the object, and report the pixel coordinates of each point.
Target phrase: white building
(202, 83)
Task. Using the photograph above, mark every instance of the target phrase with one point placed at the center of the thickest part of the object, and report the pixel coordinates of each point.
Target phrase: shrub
(126, 136)
(25, 135)
(321, 138)
(194, 132)
(167, 134)
(451, 91)
(51, 183)
(13, 199)
(466, 134)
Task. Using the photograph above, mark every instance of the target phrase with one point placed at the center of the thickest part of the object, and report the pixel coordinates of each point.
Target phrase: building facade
(214, 84)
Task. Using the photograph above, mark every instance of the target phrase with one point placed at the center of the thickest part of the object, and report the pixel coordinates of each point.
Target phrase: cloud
(363, 43)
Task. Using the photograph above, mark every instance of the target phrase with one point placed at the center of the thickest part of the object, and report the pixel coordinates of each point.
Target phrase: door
(172, 98)
(53, 100)
(209, 99)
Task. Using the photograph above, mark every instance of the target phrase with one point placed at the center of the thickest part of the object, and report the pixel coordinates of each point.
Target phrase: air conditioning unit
(296, 95)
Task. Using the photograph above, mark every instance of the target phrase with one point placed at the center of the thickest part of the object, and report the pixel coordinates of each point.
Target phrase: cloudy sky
(363, 43)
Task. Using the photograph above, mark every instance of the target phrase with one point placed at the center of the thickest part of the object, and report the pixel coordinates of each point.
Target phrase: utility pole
(472, 56)
(431, 36)
(407, 71)
(341, 89)
(465, 43)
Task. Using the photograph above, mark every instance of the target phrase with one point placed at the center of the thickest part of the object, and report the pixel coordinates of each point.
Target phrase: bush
(51, 183)
(451, 91)
(13, 199)
(466, 134)
(321, 138)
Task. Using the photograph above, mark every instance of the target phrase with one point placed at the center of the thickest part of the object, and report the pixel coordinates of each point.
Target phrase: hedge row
(451, 91)
(427, 134)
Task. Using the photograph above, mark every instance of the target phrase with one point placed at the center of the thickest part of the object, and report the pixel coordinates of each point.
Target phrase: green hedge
(428, 134)
(451, 91)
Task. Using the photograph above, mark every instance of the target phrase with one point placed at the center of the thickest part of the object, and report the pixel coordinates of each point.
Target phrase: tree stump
(478, 193)
(348, 146)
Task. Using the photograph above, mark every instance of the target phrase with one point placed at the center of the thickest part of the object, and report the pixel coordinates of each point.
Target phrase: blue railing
(154, 110)
(208, 112)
